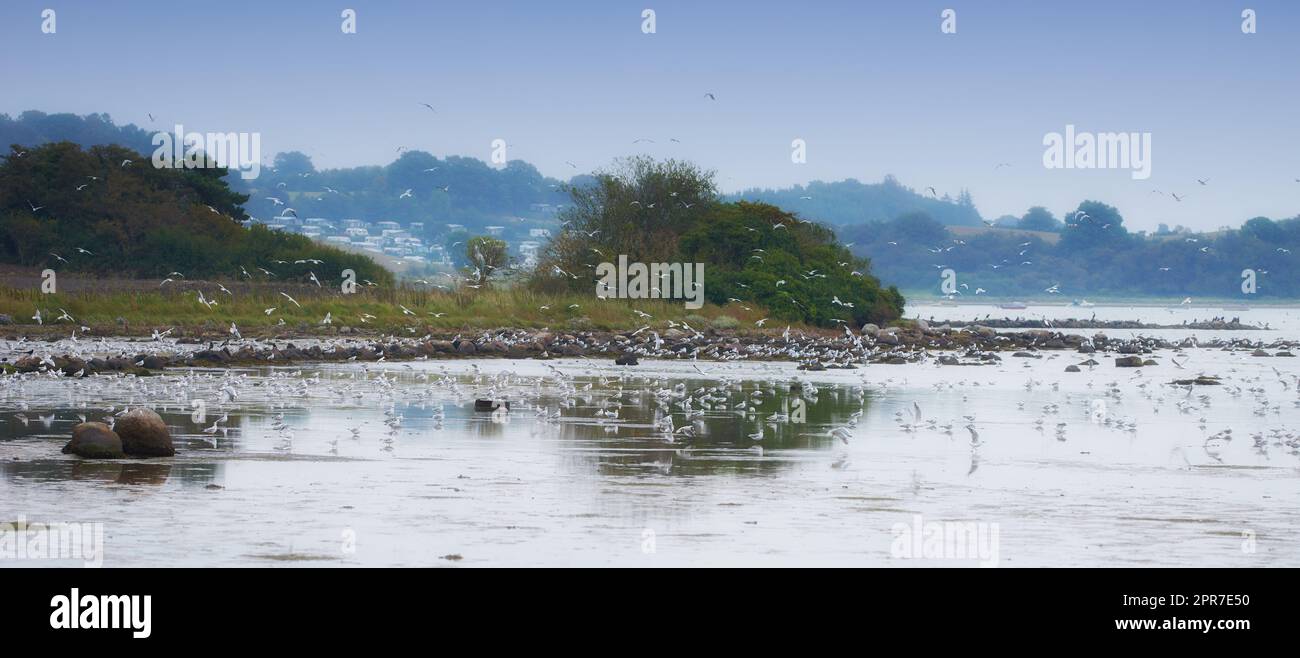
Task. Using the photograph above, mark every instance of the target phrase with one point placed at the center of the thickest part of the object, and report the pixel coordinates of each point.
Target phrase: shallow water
(1282, 322)
(554, 483)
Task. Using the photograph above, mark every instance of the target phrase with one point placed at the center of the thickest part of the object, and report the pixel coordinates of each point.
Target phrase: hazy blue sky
(873, 87)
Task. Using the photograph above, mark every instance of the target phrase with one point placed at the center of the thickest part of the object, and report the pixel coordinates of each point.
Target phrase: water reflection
(732, 463)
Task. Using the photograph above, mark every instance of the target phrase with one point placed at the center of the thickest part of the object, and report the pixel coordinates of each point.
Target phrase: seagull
(295, 302)
(430, 107)
(710, 96)
(405, 194)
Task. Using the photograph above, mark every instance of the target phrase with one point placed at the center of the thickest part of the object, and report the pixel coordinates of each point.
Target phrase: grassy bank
(257, 308)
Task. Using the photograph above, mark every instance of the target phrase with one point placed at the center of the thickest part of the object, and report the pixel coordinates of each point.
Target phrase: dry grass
(136, 307)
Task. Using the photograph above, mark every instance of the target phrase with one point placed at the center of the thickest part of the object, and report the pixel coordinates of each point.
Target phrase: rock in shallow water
(144, 434)
(94, 441)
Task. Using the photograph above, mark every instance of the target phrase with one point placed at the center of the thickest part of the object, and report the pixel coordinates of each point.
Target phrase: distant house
(495, 231)
(542, 233)
(528, 250)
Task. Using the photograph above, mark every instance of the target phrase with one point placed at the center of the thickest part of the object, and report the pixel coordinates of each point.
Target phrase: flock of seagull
(728, 406)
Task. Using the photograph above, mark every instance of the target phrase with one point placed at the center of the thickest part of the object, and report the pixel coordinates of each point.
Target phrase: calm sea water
(1282, 322)
(388, 464)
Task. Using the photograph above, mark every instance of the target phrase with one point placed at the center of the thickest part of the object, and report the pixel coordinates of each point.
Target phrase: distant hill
(33, 128)
(1093, 256)
(451, 190)
(107, 210)
(416, 187)
(853, 202)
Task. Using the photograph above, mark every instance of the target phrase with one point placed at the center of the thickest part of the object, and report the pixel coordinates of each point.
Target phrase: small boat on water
(1014, 306)
(1082, 303)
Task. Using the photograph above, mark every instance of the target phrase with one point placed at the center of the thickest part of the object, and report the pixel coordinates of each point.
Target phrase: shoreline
(977, 345)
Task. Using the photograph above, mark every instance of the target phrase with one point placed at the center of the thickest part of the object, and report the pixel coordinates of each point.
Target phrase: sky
(873, 88)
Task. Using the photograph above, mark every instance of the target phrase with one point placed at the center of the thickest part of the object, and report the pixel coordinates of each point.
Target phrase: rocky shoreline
(914, 342)
(1217, 324)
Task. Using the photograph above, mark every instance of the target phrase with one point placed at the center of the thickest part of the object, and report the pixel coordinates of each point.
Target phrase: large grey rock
(94, 441)
(144, 434)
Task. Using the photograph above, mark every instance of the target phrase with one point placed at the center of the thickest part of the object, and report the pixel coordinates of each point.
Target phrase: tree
(1265, 229)
(1094, 225)
(1039, 218)
(138, 220)
(293, 164)
(668, 212)
(486, 255)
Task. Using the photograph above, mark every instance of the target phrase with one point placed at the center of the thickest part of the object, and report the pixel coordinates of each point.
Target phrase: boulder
(144, 434)
(1072, 368)
(626, 360)
(94, 441)
(28, 364)
(870, 330)
(1128, 362)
